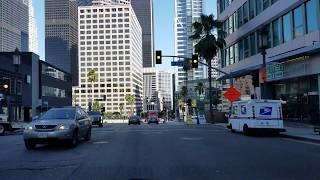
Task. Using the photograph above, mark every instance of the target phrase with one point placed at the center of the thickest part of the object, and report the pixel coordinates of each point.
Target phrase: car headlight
(63, 127)
(28, 127)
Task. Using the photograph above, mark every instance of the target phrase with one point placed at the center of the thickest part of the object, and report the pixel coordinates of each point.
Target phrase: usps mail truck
(256, 115)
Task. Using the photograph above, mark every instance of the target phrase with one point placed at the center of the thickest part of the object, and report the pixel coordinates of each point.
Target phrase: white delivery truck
(256, 115)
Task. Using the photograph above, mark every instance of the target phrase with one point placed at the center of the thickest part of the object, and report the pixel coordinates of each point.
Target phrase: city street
(165, 151)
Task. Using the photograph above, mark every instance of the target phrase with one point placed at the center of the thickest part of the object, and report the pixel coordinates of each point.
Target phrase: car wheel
(88, 135)
(74, 140)
(29, 145)
(246, 130)
(232, 130)
(139, 123)
(2, 130)
(101, 124)
(129, 124)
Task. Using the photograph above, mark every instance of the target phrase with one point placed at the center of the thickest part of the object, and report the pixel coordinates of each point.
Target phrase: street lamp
(16, 63)
(263, 45)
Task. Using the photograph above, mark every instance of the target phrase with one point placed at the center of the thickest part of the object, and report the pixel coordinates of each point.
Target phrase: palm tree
(184, 91)
(92, 77)
(199, 88)
(208, 44)
(130, 99)
(121, 109)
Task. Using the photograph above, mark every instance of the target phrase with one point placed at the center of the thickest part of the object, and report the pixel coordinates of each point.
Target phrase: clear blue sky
(163, 26)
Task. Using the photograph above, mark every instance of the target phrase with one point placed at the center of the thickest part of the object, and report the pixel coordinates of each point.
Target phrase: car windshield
(59, 114)
(94, 113)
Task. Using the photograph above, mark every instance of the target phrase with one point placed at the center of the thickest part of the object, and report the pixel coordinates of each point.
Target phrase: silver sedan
(58, 124)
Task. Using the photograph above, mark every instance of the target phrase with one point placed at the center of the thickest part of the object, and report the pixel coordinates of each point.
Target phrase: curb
(317, 141)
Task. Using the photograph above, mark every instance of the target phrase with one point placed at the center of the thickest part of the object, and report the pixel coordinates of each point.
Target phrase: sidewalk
(301, 131)
(294, 130)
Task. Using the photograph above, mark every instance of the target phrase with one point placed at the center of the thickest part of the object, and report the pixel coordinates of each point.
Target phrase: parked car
(96, 117)
(58, 124)
(153, 119)
(134, 120)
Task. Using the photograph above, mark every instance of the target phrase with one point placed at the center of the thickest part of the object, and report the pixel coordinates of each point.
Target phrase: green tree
(130, 99)
(92, 77)
(184, 91)
(207, 44)
(96, 106)
(121, 107)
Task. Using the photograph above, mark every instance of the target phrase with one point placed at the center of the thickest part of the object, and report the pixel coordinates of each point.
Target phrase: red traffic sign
(232, 94)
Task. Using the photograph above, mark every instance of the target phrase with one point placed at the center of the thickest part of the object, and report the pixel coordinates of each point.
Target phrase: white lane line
(301, 141)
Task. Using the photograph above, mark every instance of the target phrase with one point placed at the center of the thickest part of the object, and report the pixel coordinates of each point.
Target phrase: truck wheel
(2, 130)
(29, 145)
(232, 130)
(246, 130)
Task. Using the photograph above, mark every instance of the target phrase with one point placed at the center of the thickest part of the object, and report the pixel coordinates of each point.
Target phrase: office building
(33, 30)
(110, 42)
(144, 12)
(34, 86)
(165, 89)
(14, 19)
(186, 13)
(61, 35)
(289, 32)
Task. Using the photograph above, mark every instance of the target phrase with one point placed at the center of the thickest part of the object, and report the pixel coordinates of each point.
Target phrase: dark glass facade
(144, 13)
(61, 30)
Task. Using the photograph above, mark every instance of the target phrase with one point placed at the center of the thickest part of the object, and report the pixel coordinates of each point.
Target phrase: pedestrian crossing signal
(158, 57)
(195, 62)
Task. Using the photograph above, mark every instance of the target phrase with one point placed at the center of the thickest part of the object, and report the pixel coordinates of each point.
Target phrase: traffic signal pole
(210, 77)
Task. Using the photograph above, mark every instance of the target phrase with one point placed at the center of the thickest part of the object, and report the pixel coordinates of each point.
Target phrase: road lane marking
(191, 138)
(301, 141)
(101, 142)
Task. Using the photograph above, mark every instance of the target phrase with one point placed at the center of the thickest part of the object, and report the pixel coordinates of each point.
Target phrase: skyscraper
(14, 32)
(186, 13)
(144, 12)
(110, 42)
(61, 35)
(33, 34)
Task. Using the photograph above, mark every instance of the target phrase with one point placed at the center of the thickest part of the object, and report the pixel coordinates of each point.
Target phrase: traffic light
(5, 86)
(158, 57)
(195, 61)
(189, 102)
(103, 109)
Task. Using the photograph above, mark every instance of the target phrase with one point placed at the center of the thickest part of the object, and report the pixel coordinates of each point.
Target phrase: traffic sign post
(232, 94)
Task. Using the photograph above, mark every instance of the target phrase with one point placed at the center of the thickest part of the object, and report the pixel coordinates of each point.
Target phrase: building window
(311, 16)
(253, 48)
(240, 50)
(251, 9)
(240, 21)
(287, 27)
(230, 24)
(276, 32)
(298, 22)
(236, 52)
(266, 4)
(231, 55)
(258, 6)
(245, 12)
(246, 47)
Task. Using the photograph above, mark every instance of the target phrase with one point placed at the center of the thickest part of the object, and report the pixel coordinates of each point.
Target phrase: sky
(163, 27)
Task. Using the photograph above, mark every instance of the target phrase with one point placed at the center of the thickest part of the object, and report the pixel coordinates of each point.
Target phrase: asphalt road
(165, 151)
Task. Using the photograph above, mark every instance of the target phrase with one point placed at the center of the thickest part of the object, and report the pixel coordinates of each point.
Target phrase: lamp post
(263, 45)
(16, 63)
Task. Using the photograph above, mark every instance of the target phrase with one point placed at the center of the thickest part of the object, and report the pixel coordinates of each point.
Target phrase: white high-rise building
(165, 88)
(110, 42)
(14, 31)
(33, 34)
(150, 84)
(186, 13)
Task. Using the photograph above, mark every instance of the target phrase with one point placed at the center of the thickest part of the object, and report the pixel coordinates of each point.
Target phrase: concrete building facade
(110, 42)
(292, 35)
(14, 31)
